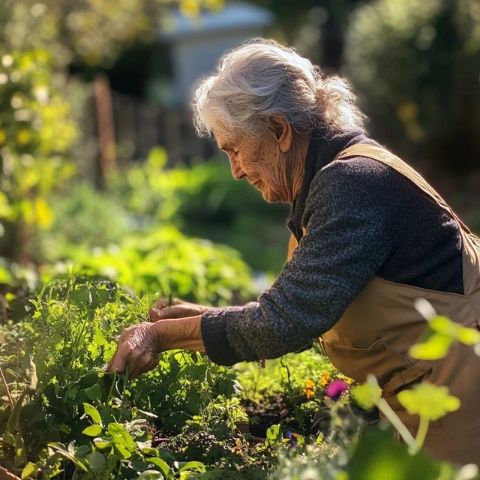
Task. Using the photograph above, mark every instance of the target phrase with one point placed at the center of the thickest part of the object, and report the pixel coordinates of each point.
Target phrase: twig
(9, 395)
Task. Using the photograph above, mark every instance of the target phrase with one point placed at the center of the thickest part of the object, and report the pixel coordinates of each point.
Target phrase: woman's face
(258, 160)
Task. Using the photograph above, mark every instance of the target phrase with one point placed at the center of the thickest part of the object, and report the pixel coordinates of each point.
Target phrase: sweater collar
(323, 148)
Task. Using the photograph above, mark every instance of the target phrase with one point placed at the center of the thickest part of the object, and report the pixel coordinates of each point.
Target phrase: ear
(283, 132)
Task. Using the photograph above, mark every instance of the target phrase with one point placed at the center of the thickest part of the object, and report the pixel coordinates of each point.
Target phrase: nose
(236, 169)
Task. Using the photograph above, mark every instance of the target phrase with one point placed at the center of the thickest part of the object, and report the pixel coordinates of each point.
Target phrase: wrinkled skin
(162, 309)
(137, 350)
(170, 326)
(273, 163)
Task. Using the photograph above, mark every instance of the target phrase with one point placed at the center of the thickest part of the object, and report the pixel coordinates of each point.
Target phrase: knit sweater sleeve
(353, 221)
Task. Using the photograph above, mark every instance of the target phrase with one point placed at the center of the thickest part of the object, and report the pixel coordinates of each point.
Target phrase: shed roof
(235, 16)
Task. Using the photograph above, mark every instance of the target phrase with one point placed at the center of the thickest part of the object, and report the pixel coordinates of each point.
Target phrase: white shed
(195, 46)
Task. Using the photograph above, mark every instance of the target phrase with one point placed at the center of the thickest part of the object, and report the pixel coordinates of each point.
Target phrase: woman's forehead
(225, 137)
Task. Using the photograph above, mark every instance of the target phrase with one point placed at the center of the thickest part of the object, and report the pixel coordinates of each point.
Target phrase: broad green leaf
(368, 394)
(121, 438)
(161, 464)
(94, 392)
(122, 451)
(93, 430)
(434, 347)
(101, 444)
(429, 401)
(28, 470)
(96, 461)
(93, 413)
(193, 466)
(60, 449)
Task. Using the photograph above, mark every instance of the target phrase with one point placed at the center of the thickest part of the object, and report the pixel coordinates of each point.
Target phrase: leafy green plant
(52, 372)
(406, 58)
(203, 200)
(36, 132)
(165, 262)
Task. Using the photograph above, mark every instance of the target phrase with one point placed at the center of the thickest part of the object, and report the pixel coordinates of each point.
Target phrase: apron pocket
(405, 378)
(379, 359)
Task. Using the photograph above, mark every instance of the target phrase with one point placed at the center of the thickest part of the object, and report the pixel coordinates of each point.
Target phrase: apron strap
(384, 156)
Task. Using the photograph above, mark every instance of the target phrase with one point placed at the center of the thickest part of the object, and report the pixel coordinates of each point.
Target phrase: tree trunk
(105, 126)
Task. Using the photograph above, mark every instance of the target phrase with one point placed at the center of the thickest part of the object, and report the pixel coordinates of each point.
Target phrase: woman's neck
(295, 166)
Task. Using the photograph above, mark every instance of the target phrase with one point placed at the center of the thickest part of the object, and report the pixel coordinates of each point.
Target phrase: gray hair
(262, 78)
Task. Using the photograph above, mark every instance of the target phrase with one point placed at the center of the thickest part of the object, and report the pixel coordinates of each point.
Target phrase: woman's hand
(162, 309)
(137, 350)
(139, 345)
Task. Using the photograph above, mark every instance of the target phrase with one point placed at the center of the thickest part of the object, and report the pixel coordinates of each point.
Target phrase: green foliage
(204, 200)
(36, 133)
(291, 372)
(440, 336)
(53, 365)
(378, 455)
(429, 401)
(93, 32)
(367, 395)
(406, 58)
(165, 262)
(84, 218)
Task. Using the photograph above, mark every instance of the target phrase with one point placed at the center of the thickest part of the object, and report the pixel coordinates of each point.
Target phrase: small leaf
(93, 413)
(28, 470)
(94, 392)
(432, 348)
(193, 467)
(161, 464)
(96, 461)
(93, 430)
(102, 444)
(13, 419)
(468, 336)
(9, 439)
(429, 401)
(121, 438)
(369, 394)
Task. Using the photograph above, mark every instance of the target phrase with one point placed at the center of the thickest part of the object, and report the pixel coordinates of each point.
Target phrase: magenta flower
(335, 389)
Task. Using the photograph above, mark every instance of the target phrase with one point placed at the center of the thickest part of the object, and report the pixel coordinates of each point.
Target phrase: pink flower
(335, 389)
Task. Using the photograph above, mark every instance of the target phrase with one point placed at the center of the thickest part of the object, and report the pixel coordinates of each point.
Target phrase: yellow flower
(309, 384)
(309, 393)
(345, 379)
(3, 136)
(325, 379)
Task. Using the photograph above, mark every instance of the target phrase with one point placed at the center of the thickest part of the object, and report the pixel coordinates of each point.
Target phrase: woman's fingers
(141, 364)
(119, 360)
(175, 311)
(136, 351)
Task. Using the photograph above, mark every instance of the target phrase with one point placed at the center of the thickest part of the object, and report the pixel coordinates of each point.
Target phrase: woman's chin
(270, 196)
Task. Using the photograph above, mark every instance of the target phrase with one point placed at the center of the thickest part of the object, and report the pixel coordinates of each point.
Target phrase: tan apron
(377, 329)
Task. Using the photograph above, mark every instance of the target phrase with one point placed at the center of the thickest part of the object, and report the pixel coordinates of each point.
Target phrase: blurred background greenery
(100, 167)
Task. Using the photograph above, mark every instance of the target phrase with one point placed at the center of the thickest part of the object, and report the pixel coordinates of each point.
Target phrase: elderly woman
(369, 237)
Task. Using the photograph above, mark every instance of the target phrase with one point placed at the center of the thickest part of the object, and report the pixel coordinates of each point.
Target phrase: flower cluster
(333, 387)
(309, 389)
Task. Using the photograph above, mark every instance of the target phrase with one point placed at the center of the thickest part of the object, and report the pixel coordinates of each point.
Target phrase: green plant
(204, 200)
(416, 65)
(164, 262)
(52, 373)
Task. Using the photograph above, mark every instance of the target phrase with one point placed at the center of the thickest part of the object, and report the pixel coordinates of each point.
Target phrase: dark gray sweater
(363, 219)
